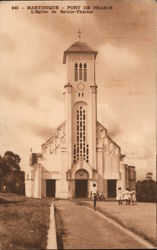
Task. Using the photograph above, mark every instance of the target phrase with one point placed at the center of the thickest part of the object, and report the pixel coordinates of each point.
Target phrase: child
(126, 196)
(129, 196)
(119, 197)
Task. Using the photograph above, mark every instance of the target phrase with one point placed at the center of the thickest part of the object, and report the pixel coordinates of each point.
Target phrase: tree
(146, 190)
(149, 176)
(11, 161)
(11, 177)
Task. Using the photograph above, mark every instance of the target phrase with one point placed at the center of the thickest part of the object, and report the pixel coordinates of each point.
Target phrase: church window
(74, 153)
(85, 72)
(79, 94)
(81, 149)
(82, 94)
(80, 72)
(76, 72)
(87, 151)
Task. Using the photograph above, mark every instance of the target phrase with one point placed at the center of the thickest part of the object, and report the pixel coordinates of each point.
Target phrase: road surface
(84, 228)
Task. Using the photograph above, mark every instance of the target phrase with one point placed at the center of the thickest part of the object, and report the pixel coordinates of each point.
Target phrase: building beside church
(80, 157)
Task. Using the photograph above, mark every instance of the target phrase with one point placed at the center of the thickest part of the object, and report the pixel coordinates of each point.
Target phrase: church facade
(80, 157)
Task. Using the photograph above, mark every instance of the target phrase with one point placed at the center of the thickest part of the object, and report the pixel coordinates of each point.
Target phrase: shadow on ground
(5, 202)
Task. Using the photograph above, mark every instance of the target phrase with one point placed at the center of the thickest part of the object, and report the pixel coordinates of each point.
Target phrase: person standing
(129, 196)
(119, 197)
(126, 196)
(133, 197)
(91, 195)
(95, 199)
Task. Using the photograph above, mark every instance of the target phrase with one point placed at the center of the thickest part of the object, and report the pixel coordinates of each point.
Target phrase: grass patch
(109, 215)
(24, 222)
(133, 229)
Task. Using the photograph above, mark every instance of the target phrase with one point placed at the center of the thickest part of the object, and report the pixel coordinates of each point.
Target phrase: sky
(32, 74)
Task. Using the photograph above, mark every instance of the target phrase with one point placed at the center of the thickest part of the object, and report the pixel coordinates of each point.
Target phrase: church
(80, 158)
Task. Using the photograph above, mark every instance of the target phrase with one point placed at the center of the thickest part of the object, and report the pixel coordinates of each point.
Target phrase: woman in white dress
(126, 196)
(119, 196)
(133, 197)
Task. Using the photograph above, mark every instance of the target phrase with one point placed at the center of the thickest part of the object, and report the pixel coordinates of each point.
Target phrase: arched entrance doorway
(81, 183)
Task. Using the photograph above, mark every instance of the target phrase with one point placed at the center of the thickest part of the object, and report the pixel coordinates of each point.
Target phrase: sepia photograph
(78, 124)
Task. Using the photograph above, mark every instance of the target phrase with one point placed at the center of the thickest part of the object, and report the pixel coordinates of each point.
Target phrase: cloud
(33, 77)
(144, 153)
(119, 59)
(114, 130)
(44, 131)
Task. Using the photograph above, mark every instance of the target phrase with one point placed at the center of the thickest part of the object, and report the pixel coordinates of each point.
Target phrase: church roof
(78, 47)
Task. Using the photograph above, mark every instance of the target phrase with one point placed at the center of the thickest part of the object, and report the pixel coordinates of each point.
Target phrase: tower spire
(79, 34)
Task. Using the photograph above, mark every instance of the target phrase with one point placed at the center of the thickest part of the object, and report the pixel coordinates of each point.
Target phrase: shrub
(146, 191)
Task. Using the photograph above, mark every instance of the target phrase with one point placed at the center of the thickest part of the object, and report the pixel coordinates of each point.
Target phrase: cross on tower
(79, 34)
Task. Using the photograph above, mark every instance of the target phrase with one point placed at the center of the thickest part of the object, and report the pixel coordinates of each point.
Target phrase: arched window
(76, 72)
(80, 71)
(85, 72)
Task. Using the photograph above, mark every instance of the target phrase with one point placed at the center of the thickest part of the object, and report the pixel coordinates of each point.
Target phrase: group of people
(128, 196)
(99, 196)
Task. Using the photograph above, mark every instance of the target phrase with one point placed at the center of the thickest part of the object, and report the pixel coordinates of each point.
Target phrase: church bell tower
(81, 104)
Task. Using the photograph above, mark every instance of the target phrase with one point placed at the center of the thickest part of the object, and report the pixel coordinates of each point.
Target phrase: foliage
(146, 190)
(149, 175)
(11, 177)
(25, 222)
(10, 161)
